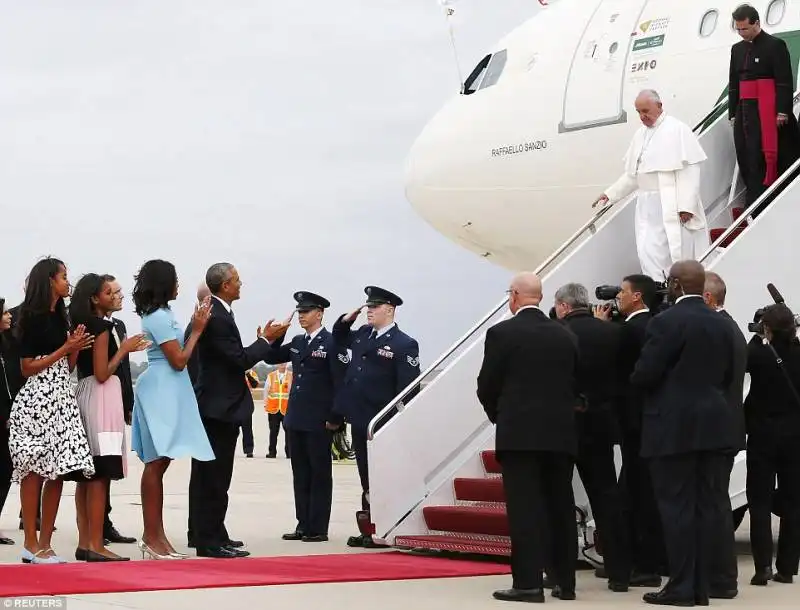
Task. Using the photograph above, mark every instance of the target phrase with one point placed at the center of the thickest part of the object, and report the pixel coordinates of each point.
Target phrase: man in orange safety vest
(276, 398)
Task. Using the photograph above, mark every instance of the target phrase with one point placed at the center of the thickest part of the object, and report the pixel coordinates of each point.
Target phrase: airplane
(510, 166)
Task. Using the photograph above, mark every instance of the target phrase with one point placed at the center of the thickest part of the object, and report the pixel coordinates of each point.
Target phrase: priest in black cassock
(760, 92)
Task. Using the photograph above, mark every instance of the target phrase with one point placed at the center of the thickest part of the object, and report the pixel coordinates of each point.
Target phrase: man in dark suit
(318, 366)
(123, 372)
(723, 567)
(225, 401)
(598, 427)
(685, 370)
(528, 387)
(384, 361)
(635, 299)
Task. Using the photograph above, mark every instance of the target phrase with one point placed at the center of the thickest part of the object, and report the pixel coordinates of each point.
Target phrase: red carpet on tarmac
(77, 578)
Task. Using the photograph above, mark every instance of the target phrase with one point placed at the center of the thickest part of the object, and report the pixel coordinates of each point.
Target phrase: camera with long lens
(757, 325)
(607, 292)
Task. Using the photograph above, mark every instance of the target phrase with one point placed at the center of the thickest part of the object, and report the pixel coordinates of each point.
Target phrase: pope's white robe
(663, 163)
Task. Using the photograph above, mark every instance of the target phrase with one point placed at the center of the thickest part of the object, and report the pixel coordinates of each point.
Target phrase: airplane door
(593, 95)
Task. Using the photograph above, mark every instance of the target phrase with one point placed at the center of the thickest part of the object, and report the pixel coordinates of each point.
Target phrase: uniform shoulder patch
(413, 361)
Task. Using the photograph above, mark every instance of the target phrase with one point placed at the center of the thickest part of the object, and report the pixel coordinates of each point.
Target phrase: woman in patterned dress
(99, 396)
(46, 436)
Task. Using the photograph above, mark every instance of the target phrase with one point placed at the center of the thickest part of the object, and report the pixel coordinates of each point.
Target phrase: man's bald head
(714, 290)
(202, 291)
(525, 289)
(690, 277)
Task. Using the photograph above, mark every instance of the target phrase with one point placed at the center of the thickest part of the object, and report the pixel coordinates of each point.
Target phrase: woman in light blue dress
(166, 420)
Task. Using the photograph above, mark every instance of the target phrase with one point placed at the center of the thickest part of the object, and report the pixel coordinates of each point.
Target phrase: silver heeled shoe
(147, 551)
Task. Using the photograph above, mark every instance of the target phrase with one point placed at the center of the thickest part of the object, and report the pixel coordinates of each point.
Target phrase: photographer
(772, 414)
(597, 426)
(9, 385)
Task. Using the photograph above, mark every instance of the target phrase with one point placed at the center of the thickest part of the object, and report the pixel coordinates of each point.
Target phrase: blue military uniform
(318, 367)
(383, 363)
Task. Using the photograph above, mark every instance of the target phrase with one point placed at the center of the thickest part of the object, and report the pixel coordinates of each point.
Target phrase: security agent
(318, 367)
(384, 361)
(597, 426)
(636, 295)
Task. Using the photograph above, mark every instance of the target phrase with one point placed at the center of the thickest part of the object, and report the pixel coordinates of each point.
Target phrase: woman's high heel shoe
(178, 555)
(147, 551)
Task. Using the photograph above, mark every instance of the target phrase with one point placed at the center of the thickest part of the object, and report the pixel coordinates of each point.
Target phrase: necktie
(308, 339)
(373, 335)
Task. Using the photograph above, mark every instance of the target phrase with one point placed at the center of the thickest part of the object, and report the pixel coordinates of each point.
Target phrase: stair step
(716, 233)
(490, 463)
(480, 490)
(455, 542)
(737, 212)
(487, 520)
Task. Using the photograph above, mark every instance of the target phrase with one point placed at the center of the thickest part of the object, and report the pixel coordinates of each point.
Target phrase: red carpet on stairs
(78, 578)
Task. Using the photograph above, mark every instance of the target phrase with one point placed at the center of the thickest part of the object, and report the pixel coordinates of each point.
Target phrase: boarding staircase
(446, 492)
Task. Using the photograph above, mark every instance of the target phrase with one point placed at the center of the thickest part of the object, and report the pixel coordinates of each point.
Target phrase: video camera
(607, 292)
(757, 325)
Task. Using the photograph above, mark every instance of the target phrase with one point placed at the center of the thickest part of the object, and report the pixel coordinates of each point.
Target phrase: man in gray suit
(723, 571)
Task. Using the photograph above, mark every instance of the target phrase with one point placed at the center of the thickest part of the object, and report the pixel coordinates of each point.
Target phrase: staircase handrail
(757, 203)
(587, 226)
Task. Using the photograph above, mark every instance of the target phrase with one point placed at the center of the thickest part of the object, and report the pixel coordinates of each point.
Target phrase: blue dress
(166, 418)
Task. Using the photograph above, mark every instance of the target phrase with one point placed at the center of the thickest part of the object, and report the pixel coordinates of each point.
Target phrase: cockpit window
(495, 69)
(473, 81)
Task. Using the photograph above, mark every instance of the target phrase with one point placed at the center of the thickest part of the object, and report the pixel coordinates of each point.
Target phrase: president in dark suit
(318, 365)
(685, 371)
(224, 399)
(528, 387)
(723, 568)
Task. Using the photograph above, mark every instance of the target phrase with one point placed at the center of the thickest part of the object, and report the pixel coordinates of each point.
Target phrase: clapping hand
(79, 340)
(202, 313)
(136, 343)
(274, 330)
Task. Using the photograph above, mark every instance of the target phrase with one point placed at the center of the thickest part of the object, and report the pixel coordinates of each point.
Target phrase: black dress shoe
(234, 544)
(723, 593)
(317, 538)
(645, 580)
(295, 535)
(618, 587)
(762, 577)
(663, 598)
(112, 535)
(534, 596)
(778, 577)
(80, 554)
(355, 541)
(8, 541)
(249, 454)
(560, 593)
(220, 552)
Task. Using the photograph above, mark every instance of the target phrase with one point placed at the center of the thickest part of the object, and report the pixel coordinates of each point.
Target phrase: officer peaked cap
(381, 296)
(309, 300)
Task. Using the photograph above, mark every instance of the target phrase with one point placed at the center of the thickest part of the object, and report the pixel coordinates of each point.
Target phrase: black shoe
(762, 577)
(563, 594)
(91, 556)
(80, 554)
(356, 541)
(723, 593)
(318, 538)
(112, 535)
(778, 577)
(548, 583)
(295, 535)
(221, 552)
(663, 598)
(272, 456)
(534, 596)
(369, 543)
(645, 580)
(234, 544)
(8, 541)
(600, 573)
(618, 587)
(249, 454)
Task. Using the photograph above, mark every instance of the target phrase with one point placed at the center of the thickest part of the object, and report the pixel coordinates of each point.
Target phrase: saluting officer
(384, 361)
(318, 369)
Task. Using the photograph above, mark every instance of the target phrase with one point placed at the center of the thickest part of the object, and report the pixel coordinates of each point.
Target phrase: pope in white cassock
(663, 164)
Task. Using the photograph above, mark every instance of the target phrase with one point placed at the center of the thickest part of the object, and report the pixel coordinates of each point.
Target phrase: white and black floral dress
(46, 436)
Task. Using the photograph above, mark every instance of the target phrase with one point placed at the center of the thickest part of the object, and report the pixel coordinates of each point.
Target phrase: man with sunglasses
(384, 361)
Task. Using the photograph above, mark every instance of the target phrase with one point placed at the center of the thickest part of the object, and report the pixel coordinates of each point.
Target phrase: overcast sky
(268, 134)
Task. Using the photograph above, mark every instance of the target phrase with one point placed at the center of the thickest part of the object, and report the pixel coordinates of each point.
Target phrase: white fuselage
(510, 170)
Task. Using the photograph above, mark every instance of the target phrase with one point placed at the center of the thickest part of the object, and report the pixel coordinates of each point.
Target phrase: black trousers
(723, 568)
(275, 420)
(209, 484)
(648, 554)
(6, 467)
(540, 504)
(248, 444)
(359, 445)
(598, 473)
(773, 451)
(685, 487)
(313, 480)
